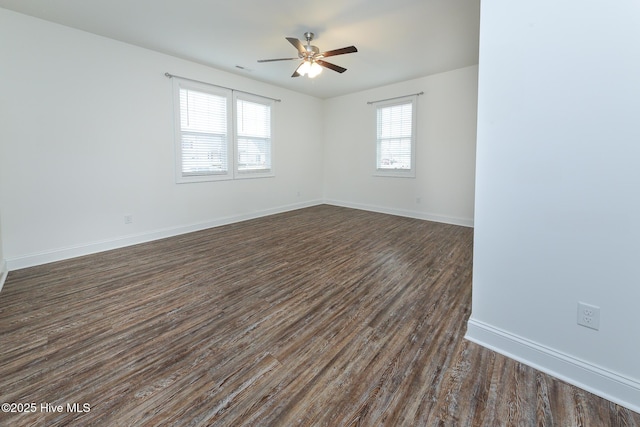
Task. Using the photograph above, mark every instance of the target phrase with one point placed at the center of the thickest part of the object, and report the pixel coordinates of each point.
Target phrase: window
(220, 134)
(203, 144)
(395, 137)
(253, 135)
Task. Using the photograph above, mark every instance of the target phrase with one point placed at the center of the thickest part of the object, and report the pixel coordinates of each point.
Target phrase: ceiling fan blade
(278, 59)
(350, 49)
(297, 44)
(331, 66)
(296, 73)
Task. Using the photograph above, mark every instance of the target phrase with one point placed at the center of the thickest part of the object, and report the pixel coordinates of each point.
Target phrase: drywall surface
(557, 206)
(443, 188)
(87, 139)
(3, 264)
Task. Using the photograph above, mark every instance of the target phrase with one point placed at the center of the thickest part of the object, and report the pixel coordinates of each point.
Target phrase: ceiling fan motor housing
(312, 50)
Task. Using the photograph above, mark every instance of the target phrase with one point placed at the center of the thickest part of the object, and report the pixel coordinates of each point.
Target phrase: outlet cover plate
(589, 315)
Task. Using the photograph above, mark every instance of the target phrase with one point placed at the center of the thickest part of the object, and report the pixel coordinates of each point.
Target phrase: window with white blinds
(220, 134)
(204, 133)
(253, 135)
(395, 142)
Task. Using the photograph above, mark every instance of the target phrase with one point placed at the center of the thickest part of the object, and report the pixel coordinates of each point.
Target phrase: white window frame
(233, 170)
(393, 172)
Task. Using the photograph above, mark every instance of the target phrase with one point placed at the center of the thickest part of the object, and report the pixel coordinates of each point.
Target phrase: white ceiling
(397, 40)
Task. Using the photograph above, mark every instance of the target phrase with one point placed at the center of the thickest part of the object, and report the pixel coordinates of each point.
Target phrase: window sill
(395, 174)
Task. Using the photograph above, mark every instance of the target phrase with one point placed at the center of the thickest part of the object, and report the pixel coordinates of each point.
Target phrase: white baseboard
(466, 222)
(133, 239)
(4, 272)
(594, 379)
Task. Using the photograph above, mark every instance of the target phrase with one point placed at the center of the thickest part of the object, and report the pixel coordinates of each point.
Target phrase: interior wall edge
(4, 272)
(31, 260)
(594, 379)
(465, 222)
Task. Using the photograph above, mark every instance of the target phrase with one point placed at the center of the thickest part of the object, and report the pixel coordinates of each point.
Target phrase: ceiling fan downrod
(311, 50)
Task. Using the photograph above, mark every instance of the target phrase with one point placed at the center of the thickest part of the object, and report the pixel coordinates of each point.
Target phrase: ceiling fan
(312, 59)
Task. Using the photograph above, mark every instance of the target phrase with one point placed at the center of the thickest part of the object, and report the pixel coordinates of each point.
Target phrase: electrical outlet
(589, 315)
(128, 219)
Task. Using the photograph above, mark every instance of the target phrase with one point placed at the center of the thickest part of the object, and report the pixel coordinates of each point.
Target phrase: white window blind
(204, 136)
(395, 130)
(253, 135)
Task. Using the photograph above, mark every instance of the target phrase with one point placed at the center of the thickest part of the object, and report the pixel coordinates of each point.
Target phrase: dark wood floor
(323, 316)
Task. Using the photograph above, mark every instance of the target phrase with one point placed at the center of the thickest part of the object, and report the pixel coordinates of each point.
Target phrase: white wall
(3, 264)
(443, 189)
(558, 189)
(87, 138)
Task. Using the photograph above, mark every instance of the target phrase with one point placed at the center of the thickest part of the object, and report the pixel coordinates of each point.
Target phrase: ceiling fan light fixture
(314, 70)
(304, 68)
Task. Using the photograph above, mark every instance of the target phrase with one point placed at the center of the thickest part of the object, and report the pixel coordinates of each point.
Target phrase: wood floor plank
(324, 316)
